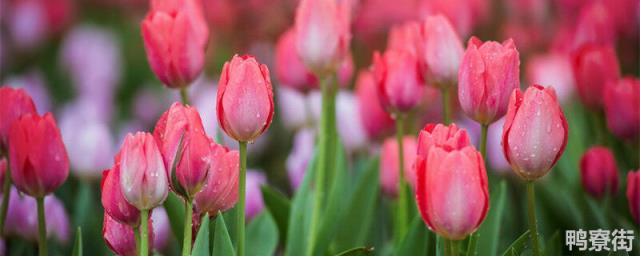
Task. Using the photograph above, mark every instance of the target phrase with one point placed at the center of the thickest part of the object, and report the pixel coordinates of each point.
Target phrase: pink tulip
(406, 37)
(375, 120)
(389, 174)
(220, 191)
(245, 98)
(599, 172)
(143, 177)
(180, 136)
(399, 82)
(463, 14)
(175, 37)
(290, 69)
(32, 22)
(13, 104)
(22, 218)
(322, 33)
(439, 135)
(595, 26)
(633, 194)
(39, 161)
(622, 107)
(488, 73)
(375, 17)
(553, 69)
(535, 132)
(120, 238)
(300, 156)
(113, 200)
(161, 228)
(255, 203)
(440, 51)
(593, 67)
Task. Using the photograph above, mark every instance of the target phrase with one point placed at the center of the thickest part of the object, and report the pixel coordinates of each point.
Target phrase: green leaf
(357, 251)
(554, 245)
(77, 246)
(222, 242)
(416, 242)
(300, 214)
(262, 235)
(490, 231)
(175, 211)
(201, 245)
(518, 245)
(360, 210)
(279, 207)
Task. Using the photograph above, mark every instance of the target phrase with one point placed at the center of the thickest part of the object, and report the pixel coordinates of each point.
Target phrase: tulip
(599, 172)
(175, 37)
(440, 51)
(398, 79)
(595, 25)
(439, 135)
(13, 104)
(389, 174)
(553, 69)
(290, 69)
(33, 82)
(119, 237)
(488, 73)
(593, 67)
(300, 156)
(22, 219)
(220, 191)
(161, 228)
(622, 107)
(113, 200)
(463, 14)
(245, 98)
(348, 122)
(180, 136)
(405, 37)
(633, 194)
(452, 190)
(322, 33)
(255, 203)
(375, 120)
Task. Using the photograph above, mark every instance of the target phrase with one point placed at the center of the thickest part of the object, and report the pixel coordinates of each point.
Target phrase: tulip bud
(175, 37)
(400, 84)
(535, 132)
(375, 120)
(220, 191)
(39, 161)
(13, 104)
(143, 178)
(180, 137)
(452, 190)
(599, 172)
(593, 67)
(255, 203)
(245, 98)
(405, 37)
(622, 107)
(322, 33)
(440, 51)
(439, 135)
(633, 194)
(488, 73)
(113, 201)
(120, 238)
(389, 174)
(290, 69)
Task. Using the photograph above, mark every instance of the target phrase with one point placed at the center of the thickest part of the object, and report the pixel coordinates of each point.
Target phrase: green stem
(6, 194)
(42, 227)
(136, 235)
(241, 201)
(533, 226)
(144, 232)
(401, 218)
(445, 106)
(454, 247)
(184, 95)
(325, 147)
(483, 141)
(447, 247)
(471, 246)
(188, 222)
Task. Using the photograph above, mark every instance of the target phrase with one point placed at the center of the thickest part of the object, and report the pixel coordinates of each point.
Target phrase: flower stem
(42, 227)
(188, 220)
(447, 247)
(401, 218)
(533, 226)
(241, 201)
(184, 95)
(454, 247)
(483, 141)
(144, 232)
(6, 194)
(445, 106)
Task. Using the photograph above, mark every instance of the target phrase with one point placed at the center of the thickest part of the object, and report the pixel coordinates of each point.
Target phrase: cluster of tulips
(435, 167)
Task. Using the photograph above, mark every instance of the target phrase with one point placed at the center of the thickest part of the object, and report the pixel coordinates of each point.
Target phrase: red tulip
(245, 98)
(599, 172)
(113, 201)
(535, 132)
(375, 120)
(622, 107)
(488, 73)
(439, 135)
(400, 84)
(180, 136)
(593, 67)
(13, 104)
(633, 194)
(175, 37)
(322, 33)
(389, 174)
(39, 161)
(120, 238)
(143, 178)
(290, 69)
(452, 190)
(220, 191)
(440, 51)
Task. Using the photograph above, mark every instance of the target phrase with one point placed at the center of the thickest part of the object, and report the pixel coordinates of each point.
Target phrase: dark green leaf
(554, 245)
(417, 239)
(357, 251)
(490, 231)
(279, 207)
(518, 245)
(77, 246)
(222, 242)
(175, 210)
(262, 235)
(201, 245)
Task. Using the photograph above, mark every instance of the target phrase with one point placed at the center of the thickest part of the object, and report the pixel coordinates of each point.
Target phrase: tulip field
(319, 127)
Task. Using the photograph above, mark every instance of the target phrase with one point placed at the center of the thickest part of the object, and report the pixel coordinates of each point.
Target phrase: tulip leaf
(300, 214)
(262, 235)
(201, 245)
(492, 226)
(360, 209)
(518, 245)
(77, 246)
(357, 251)
(416, 242)
(222, 242)
(279, 207)
(175, 212)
